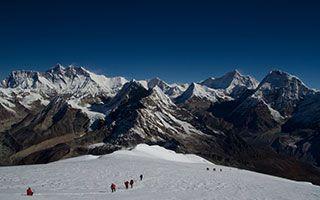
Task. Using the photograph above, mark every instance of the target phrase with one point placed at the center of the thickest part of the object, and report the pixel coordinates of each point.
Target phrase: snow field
(167, 176)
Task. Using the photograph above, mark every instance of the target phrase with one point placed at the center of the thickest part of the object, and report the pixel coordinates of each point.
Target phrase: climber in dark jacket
(126, 184)
(131, 183)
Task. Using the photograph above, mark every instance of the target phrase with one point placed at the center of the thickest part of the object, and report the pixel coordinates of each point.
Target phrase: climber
(29, 192)
(126, 183)
(113, 187)
(131, 183)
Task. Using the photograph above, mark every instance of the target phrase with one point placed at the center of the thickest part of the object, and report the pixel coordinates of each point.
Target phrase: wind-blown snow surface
(167, 175)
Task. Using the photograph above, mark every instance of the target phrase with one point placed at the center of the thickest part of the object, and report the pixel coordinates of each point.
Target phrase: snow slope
(202, 92)
(167, 175)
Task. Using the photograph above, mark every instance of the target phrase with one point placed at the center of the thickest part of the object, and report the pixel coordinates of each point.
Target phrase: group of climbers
(214, 169)
(126, 184)
(113, 186)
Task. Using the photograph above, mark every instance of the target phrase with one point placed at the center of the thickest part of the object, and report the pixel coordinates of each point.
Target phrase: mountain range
(270, 126)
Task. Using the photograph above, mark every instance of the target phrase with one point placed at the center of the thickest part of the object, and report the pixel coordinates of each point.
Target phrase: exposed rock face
(272, 127)
(47, 155)
(255, 116)
(306, 116)
(57, 123)
(302, 132)
(282, 91)
(149, 116)
(303, 144)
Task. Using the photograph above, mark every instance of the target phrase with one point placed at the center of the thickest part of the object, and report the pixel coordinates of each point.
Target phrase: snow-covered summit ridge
(280, 78)
(159, 96)
(64, 80)
(279, 82)
(231, 81)
(144, 151)
(172, 90)
(202, 91)
(160, 153)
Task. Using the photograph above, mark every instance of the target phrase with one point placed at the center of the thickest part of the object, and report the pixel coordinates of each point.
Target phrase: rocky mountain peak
(158, 82)
(288, 87)
(231, 82)
(57, 68)
(70, 71)
(278, 78)
(158, 95)
(201, 92)
(64, 80)
(234, 73)
(172, 90)
(21, 78)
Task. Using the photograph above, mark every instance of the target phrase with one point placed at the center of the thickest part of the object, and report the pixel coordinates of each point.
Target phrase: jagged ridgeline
(270, 127)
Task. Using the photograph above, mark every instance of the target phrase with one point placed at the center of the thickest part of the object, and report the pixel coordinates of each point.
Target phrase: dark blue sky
(180, 41)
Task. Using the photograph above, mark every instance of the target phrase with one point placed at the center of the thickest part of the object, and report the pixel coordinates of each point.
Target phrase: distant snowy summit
(87, 91)
(233, 83)
(278, 91)
(64, 80)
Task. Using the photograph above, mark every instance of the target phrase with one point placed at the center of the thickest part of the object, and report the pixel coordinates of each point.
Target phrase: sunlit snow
(167, 175)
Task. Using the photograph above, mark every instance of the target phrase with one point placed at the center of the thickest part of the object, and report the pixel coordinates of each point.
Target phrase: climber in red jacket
(113, 187)
(126, 184)
(29, 192)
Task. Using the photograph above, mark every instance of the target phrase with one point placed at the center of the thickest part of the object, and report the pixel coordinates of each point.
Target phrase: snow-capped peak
(22, 79)
(282, 91)
(290, 86)
(231, 82)
(28, 87)
(157, 82)
(280, 78)
(64, 80)
(201, 91)
(158, 95)
(172, 90)
(57, 68)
